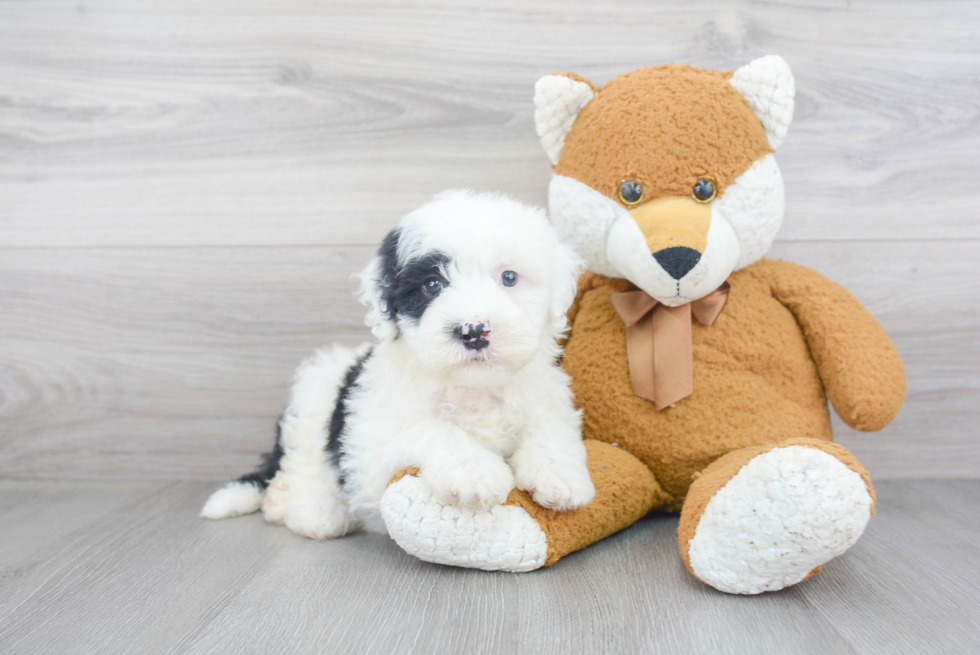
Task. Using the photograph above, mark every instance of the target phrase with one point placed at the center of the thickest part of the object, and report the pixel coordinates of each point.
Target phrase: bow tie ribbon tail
(659, 343)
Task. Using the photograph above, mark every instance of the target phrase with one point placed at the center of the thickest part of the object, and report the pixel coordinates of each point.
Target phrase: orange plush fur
(787, 340)
(665, 127)
(756, 379)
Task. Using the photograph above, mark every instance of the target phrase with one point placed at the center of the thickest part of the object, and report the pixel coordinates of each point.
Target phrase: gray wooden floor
(186, 187)
(128, 567)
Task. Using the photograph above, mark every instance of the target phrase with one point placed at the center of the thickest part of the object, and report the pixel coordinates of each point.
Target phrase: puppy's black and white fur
(467, 297)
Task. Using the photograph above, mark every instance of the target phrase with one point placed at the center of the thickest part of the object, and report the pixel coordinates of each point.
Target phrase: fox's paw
(784, 514)
(505, 538)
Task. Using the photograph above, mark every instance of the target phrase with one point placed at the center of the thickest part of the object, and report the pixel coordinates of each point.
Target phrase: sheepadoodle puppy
(467, 298)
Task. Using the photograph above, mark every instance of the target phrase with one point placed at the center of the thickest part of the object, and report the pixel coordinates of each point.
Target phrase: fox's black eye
(432, 286)
(704, 190)
(630, 192)
(508, 279)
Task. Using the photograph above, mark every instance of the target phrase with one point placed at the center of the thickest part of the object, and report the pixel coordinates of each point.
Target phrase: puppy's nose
(473, 336)
(677, 261)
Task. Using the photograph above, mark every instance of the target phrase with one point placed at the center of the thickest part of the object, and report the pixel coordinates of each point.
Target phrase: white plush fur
(583, 217)
(744, 223)
(505, 538)
(768, 84)
(753, 207)
(476, 423)
(786, 512)
(557, 102)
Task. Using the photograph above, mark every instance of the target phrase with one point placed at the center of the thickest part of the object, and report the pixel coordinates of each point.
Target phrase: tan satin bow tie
(658, 342)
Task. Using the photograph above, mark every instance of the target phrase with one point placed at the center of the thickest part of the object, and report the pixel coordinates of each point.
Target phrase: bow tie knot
(658, 342)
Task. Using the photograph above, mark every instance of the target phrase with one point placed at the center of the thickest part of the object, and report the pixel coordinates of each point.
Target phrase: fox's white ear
(767, 83)
(557, 101)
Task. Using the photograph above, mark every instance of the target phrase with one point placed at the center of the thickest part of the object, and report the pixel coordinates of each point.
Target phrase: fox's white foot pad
(786, 512)
(504, 538)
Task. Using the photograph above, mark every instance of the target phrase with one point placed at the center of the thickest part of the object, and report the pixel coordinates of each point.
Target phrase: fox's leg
(767, 517)
(519, 535)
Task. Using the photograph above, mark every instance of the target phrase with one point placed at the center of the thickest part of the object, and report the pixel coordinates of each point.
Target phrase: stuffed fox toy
(703, 369)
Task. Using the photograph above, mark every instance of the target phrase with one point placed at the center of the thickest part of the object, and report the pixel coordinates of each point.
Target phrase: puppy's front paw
(560, 484)
(478, 480)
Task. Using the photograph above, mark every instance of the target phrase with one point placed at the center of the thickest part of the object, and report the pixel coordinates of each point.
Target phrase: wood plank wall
(185, 188)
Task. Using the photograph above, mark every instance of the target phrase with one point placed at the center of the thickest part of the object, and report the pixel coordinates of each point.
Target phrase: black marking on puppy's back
(338, 420)
(401, 287)
(267, 470)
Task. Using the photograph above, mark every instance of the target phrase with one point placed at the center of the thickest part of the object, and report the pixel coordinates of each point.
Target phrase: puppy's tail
(244, 495)
(233, 499)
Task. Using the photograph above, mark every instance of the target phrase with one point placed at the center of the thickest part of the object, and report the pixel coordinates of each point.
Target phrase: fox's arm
(860, 368)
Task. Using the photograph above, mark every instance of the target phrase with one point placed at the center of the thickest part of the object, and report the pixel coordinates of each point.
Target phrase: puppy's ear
(567, 267)
(376, 283)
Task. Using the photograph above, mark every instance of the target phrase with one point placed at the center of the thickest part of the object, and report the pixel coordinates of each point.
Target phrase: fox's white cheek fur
(628, 248)
(744, 223)
(753, 206)
(583, 217)
(715, 265)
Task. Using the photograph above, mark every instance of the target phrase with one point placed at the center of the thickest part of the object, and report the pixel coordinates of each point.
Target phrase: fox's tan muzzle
(676, 231)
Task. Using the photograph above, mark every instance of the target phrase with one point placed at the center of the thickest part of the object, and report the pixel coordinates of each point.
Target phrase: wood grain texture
(174, 362)
(165, 362)
(139, 572)
(185, 189)
(309, 122)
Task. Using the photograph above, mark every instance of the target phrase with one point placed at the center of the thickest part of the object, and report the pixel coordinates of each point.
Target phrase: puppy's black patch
(335, 438)
(388, 253)
(402, 288)
(269, 467)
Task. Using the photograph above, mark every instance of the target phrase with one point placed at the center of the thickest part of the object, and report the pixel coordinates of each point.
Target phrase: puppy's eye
(432, 286)
(508, 279)
(630, 192)
(704, 190)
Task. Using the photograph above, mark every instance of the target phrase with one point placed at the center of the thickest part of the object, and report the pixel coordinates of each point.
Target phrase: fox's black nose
(474, 337)
(678, 261)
